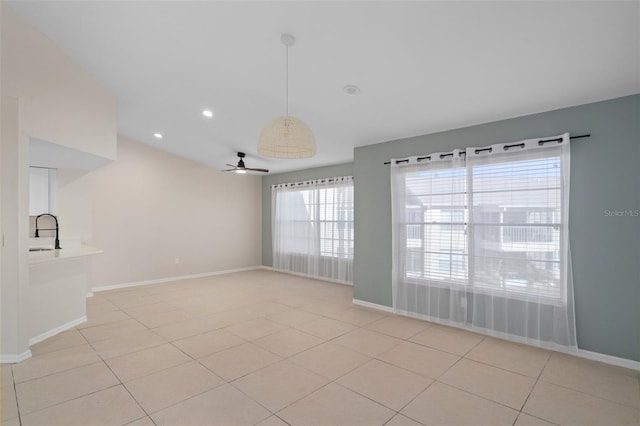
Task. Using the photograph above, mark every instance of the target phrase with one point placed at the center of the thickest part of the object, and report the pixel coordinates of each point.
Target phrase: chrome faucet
(57, 246)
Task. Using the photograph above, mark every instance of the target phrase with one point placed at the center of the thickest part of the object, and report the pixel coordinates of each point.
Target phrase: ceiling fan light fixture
(241, 168)
(286, 137)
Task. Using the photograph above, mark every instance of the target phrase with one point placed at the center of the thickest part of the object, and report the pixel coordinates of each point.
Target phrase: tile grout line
(590, 395)
(406, 340)
(147, 414)
(72, 399)
(335, 381)
(251, 341)
(519, 411)
(60, 371)
(283, 358)
(158, 371)
(331, 381)
(15, 392)
(164, 369)
(539, 379)
(224, 381)
(121, 383)
(357, 327)
(460, 357)
(534, 386)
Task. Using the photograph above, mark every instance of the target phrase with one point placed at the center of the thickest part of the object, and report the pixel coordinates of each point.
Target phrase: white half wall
(57, 296)
(157, 215)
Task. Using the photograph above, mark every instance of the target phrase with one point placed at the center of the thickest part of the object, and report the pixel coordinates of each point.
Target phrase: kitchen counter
(71, 252)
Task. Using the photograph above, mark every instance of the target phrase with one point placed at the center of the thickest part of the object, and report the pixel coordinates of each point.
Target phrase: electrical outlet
(177, 260)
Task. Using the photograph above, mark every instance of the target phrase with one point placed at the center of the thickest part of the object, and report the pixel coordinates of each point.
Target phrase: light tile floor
(265, 348)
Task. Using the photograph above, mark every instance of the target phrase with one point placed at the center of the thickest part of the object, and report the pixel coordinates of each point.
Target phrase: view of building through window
(313, 231)
(320, 216)
(509, 239)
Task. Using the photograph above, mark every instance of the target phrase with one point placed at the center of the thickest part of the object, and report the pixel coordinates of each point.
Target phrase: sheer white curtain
(481, 240)
(312, 228)
(429, 210)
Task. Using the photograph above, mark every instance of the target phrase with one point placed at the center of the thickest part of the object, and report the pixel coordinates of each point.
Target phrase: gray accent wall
(604, 232)
(604, 229)
(297, 176)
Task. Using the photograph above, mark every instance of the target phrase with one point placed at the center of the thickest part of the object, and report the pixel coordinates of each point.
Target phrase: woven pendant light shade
(286, 137)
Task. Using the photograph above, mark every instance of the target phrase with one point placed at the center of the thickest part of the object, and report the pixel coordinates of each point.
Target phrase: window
(436, 223)
(313, 229)
(480, 240)
(335, 217)
(513, 238)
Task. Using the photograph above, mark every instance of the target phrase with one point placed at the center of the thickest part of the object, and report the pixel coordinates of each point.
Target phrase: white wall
(47, 97)
(75, 205)
(150, 207)
(145, 210)
(14, 208)
(60, 101)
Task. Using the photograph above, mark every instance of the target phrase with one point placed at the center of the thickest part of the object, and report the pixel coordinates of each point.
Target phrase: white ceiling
(422, 66)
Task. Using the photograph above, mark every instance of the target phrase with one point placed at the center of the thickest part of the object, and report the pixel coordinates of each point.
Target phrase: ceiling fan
(241, 168)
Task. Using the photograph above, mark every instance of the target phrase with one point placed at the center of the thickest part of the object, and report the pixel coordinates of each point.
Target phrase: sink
(41, 244)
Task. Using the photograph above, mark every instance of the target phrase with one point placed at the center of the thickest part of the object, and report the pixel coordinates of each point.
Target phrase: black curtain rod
(316, 180)
(506, 147)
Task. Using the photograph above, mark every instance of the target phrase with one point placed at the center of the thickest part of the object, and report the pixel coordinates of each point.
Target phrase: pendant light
(286, 136)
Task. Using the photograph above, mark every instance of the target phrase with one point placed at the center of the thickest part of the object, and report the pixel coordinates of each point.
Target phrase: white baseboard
(89, 294)
(594, 356)
(313, 277)
(64, 327)
(12, 359)
(580, 353)
(169, 279)
(372, 305)
(607, 359)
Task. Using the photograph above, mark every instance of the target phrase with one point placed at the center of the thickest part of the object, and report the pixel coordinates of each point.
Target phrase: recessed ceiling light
(157, 135)
(207, 113)
(351, 90)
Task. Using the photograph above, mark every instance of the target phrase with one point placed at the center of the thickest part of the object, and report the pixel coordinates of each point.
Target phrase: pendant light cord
(287, 83)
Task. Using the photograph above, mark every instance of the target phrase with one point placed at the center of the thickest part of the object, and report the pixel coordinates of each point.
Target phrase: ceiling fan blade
(228, 170)
(241, 168)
